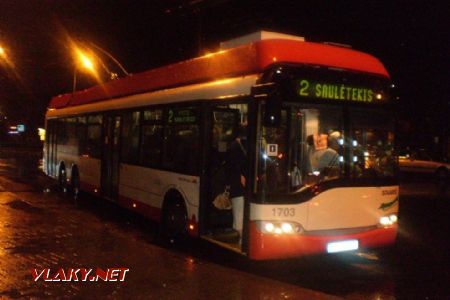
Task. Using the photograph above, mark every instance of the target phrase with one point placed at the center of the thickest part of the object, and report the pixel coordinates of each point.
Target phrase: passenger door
(51, 161)
(224, 120)
(111, 156)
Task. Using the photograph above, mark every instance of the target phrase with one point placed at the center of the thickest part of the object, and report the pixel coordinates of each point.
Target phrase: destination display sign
(184, 115)
(327, 90)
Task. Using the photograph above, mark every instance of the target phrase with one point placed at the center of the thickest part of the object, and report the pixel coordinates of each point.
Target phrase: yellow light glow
(85, 61)
(41, 133)
(209, 54)
(287, 228)
(221, 81)
(269, 227)
(7, 61)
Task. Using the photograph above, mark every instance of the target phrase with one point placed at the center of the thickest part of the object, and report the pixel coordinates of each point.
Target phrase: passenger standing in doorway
(235, 170)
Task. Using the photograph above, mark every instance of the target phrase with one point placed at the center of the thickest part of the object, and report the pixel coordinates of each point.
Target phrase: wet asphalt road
(42, 228)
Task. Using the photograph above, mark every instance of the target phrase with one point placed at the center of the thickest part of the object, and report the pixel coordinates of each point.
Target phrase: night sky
(411, 39)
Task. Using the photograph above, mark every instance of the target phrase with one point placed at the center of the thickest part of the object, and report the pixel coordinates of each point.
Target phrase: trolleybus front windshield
(332, 128)
(321, 143)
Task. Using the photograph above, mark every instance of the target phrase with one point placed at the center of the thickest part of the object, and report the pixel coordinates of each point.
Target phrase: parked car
(421, 162)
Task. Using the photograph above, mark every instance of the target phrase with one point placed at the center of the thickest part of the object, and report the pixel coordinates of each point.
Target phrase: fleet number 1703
(283, 212)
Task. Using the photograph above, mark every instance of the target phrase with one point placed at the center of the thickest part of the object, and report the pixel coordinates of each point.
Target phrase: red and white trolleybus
(321, 165)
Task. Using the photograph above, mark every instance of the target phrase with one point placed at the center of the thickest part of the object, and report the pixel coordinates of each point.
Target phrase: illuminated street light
(84, 60)
(3, 55)
(87, 63)
(7, 63)
(87, 59)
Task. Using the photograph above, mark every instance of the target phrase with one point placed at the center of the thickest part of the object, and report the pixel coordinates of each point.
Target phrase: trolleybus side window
(94, 136)
(71, 141)
(152, 138)
(130, 137)
(182, 140)
(61, 135)
(226, 119)
(81, 130)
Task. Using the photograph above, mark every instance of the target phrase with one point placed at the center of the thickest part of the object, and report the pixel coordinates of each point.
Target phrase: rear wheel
(62, 178)
(75, 182)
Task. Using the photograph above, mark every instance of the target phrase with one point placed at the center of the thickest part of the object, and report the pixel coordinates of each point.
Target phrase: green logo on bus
(387, 205)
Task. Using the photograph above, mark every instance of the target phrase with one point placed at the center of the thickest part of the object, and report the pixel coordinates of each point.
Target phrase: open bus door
(111, 156)
(219, 223)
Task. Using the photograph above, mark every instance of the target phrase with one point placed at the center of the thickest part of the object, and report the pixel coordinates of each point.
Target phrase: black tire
(75, 181)
(62, 178)
(174, 219)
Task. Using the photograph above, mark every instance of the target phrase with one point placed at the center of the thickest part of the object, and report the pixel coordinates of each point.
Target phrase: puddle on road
(24, 206)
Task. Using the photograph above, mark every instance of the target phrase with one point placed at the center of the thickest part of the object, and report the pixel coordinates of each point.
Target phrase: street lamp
(88, 60)
(3, 55)
(83, 61)
(7, 62)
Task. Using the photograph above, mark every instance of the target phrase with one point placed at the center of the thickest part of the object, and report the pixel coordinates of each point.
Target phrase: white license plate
(341, 246)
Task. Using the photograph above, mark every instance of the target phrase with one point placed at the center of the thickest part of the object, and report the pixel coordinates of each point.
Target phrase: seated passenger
(321, 156)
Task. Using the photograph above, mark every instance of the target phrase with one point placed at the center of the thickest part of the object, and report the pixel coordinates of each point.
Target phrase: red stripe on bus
(244, 60)
(267, 246)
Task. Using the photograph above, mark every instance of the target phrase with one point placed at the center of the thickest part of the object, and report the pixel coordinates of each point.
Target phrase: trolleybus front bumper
(275, 246)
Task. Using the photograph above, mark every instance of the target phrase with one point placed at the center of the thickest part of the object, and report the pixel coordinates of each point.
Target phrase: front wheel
(75, 182)
(174, 221)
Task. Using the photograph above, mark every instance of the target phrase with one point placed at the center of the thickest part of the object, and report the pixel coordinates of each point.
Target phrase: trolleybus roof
(247, 59)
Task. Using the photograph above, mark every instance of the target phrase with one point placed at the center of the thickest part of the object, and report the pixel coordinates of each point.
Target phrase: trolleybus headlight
(388, 220)
(278, 227)
(269, 227)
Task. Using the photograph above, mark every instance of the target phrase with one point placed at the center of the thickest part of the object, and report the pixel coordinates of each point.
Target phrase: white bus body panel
(90, 170)
(140, 183)
(350, 207)
(338, 208)
(149, 186)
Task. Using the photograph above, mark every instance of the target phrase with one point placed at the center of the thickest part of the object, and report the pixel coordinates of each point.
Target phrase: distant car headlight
(279, 227)
(388, 220)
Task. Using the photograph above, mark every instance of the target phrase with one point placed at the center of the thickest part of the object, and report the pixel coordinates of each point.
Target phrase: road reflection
(45, 229)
